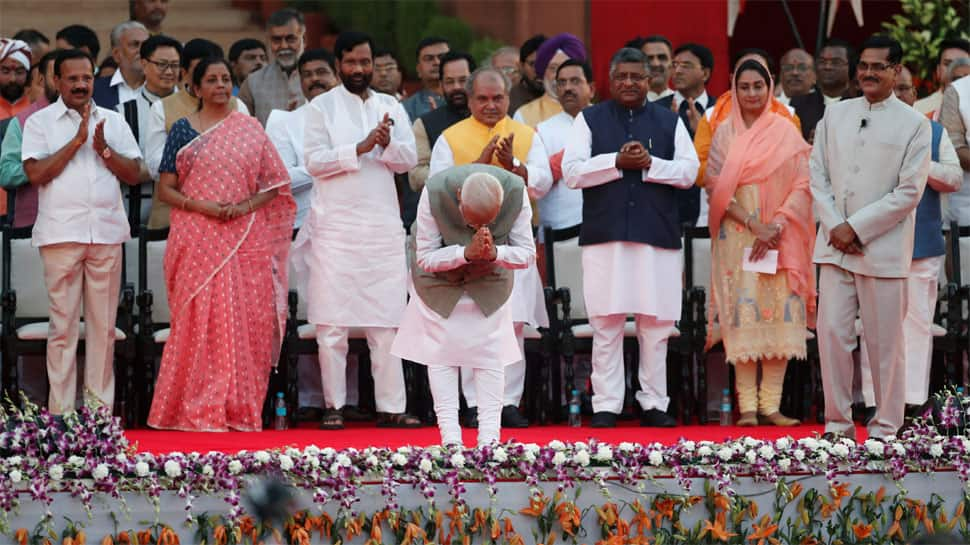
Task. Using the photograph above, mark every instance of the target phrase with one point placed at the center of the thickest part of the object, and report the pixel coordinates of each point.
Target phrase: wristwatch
(106, 153)
(516, 163)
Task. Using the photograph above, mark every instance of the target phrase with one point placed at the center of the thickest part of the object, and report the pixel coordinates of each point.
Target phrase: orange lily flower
(107, 541)
(721, 502)
(641, 521)
(880, 494)
(718, 530)
(608, 514)
(218, 534)
(123, 538)
(569, 517)
(809, 540)
(840, 491)
(496, 530)
(68, 541)
(479, 519)
(763, 531)
(375, 529)
(796, 490)
(665, 507)
(861, 531)
(21, 536)
(516, 539)
(537, 505)
(145, 536)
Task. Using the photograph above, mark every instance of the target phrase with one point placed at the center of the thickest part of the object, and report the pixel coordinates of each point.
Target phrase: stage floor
(363, 435)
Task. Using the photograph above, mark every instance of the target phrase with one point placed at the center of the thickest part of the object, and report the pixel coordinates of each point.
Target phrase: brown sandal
(397, 420)
(748, 419)
(332, 420)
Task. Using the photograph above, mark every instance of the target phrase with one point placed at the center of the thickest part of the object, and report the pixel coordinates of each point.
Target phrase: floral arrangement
(85, 454)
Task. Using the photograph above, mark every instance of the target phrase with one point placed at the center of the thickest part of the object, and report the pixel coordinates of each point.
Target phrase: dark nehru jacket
(628, 209)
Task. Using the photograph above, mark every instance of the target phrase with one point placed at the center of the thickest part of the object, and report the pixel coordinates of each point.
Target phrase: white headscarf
(16, 50)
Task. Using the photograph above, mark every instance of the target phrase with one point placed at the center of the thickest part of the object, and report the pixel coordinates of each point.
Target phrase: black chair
(153, 314)
(951, 310)
(25, 320)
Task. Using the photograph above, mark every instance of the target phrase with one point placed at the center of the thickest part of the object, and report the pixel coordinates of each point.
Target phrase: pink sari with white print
(226, 283)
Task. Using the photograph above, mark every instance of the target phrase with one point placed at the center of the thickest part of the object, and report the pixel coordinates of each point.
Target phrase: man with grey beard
(276, 86)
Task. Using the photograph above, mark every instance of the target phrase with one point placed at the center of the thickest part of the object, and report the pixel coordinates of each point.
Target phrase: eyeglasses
(165, 66)
(509, 70)
(863, 66)
(802, 67)
(634, 77)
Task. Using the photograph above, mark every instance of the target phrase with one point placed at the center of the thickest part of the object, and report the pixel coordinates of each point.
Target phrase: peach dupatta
(771, 153)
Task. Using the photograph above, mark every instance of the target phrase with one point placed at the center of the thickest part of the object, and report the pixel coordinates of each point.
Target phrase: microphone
(863, 123)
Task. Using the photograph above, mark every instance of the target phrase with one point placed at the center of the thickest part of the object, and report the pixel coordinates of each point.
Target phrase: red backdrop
(762, 24)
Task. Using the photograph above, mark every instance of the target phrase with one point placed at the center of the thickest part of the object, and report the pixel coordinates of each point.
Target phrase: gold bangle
(747, 223)
(185, 202)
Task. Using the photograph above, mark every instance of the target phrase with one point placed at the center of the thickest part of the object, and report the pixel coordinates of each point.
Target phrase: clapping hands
(379, 136)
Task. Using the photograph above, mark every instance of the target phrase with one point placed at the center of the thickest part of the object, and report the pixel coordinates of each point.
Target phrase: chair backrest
(151, 256)
(564, 266)
(960, 264)
(697, 258)
(26, 274)
(300, 287)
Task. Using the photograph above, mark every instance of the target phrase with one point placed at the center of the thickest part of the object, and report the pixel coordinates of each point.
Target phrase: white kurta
(527, 302)
(285, 130)
(352, 243)
(467, 338)
(562, 207)
(629, 277)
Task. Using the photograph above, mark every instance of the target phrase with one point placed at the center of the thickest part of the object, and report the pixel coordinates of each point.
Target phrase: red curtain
(614, 22)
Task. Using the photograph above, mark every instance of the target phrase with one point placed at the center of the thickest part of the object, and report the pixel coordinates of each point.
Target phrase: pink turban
(16, 50)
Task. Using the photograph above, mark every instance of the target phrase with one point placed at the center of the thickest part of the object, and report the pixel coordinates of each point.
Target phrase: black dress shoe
(511, 418)
(309, 414)
(867, 415)
(471, 418)
(655, 418)
(603, 419)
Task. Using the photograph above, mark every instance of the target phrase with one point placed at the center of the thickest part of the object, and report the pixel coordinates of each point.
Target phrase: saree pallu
(226, 283)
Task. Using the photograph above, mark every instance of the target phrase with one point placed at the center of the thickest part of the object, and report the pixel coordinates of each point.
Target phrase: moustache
(569, 94)
(872, 80)
(79, 91)
(317, 86)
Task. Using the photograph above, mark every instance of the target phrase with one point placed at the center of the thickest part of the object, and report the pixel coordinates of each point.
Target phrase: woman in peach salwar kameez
(757, 180)
(225, 264)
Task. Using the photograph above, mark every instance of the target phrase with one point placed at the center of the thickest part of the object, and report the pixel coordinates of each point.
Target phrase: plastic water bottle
(279, 421)
(575, 418)
(726, 413)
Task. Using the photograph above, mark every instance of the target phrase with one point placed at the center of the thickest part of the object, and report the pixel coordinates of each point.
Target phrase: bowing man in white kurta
(461, 144)
(353, 239)
(630, 236)
(481, 345)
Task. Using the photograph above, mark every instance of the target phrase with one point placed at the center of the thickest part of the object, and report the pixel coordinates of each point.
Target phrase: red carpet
(365, 435)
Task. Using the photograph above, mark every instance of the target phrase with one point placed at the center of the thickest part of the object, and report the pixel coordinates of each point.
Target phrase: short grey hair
(481, 192)
(628, 55)
(506, 50)
(954, 64)
(506, 82)
(119, 30)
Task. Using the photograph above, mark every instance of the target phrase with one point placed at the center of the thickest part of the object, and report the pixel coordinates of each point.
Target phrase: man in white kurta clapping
(353, 246)
(473, 228)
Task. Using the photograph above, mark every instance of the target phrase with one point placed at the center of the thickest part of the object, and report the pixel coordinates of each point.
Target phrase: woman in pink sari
(757, 180)
(225, 263)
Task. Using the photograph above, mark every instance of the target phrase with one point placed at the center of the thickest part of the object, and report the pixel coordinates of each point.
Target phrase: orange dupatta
(772, 153)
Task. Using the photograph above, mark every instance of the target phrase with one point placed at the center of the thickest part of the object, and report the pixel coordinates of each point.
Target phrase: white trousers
(514, 377)
(73, 273)
(881, 304)
(310, 388)
(487, 383)
(922, 288)
(389, 393)
(608, 375)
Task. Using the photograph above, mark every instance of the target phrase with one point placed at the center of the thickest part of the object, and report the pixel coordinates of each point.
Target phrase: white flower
(343, 460)
(425, 465)
(705, 451)
(399, 459)
(56, 472)
(809, 442)
(581, 458)
(434, 451)
(499, 455)
(874, 447)
(558, 459)
(173, 469)
(328, 451)
(286, 463)
(784, 463)
(556, 444)
(823, 443)
(235, 467)
(16, 476)
(627, 447)
(531, 447)
(207, 470)
(76, 461)
(725, 453)
(14, 461)
(261, 456)
(750, 442)
(312, 450)
(965, 443)
(655, 457)
(899, 449)
(100, 472)
(766, 452)
(823, 456)
(313, 461)
(751, 456)
(783, 443)
(529, 456)
(404, 450)
(840, 450)
(689, 446)
(936, 450)
(579, 445)
(799, 454)
(604, 453)
(458, 460)
(334, 468)
(371, 461)
(121, 458)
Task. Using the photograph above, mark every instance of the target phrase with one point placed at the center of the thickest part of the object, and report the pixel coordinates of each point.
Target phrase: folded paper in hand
(767, 264)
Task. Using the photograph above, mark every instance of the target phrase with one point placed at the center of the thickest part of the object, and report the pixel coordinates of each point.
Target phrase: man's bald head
(797, 72)
(480, 199)
(488, 95)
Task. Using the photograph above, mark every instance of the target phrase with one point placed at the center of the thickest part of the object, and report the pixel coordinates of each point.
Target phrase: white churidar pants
(608, 371)
(487, 384)
(389, 392)
(514, 377)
